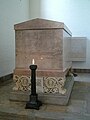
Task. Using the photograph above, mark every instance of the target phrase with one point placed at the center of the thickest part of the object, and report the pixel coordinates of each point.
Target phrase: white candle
(33, 61)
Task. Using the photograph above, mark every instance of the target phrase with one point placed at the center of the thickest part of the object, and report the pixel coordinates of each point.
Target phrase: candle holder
(33, 103)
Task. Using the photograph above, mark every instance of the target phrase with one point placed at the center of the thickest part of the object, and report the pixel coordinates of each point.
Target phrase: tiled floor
(83, 77)
(77, 109)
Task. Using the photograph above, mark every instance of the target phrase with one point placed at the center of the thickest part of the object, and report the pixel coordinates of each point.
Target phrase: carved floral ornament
(22, 83)
(46, 84)
(54, 85)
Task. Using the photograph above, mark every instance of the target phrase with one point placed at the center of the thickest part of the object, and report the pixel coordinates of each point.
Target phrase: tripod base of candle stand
(34, 103)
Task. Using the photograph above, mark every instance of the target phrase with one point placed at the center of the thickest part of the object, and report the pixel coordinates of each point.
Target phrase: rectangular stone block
(79, 48)
(47, 42)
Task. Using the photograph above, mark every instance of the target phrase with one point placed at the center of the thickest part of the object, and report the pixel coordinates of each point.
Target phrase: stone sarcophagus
(49, 44)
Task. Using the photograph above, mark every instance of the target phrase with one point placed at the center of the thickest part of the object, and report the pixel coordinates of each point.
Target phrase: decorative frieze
(54, 85)
(22, 83)
(43, 84)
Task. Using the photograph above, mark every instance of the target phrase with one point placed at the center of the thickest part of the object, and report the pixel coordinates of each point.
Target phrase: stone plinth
(46, 98)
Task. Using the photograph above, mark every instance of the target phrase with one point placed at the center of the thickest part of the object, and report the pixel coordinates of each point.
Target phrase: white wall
(11, 12)
(76, 15)
(35, 9)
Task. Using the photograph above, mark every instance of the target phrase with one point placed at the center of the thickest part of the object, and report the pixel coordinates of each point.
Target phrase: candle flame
(33, 61)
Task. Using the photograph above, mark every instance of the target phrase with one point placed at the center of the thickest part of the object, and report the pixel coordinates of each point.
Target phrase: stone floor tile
(77, 106)
(56, 108)
(76, 95)
(83, 77)
(88, 102)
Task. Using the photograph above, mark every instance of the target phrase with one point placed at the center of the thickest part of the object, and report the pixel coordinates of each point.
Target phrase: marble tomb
(49, 44)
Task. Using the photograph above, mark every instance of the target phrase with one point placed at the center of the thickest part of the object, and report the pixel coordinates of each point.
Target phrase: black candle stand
(33, 103)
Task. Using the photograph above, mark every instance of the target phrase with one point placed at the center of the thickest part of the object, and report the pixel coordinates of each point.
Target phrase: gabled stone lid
(41, 24)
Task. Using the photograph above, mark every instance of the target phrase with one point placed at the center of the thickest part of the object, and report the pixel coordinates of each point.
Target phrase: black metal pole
(33, 103)
(33, 79)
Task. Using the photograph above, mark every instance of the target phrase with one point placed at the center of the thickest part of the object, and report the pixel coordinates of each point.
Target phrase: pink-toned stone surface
(45, 46)
(45, 41)
(67, 63)
(41, 24)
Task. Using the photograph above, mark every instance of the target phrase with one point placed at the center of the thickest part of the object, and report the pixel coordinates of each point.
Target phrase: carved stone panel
(54, 85)
(43, 84)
